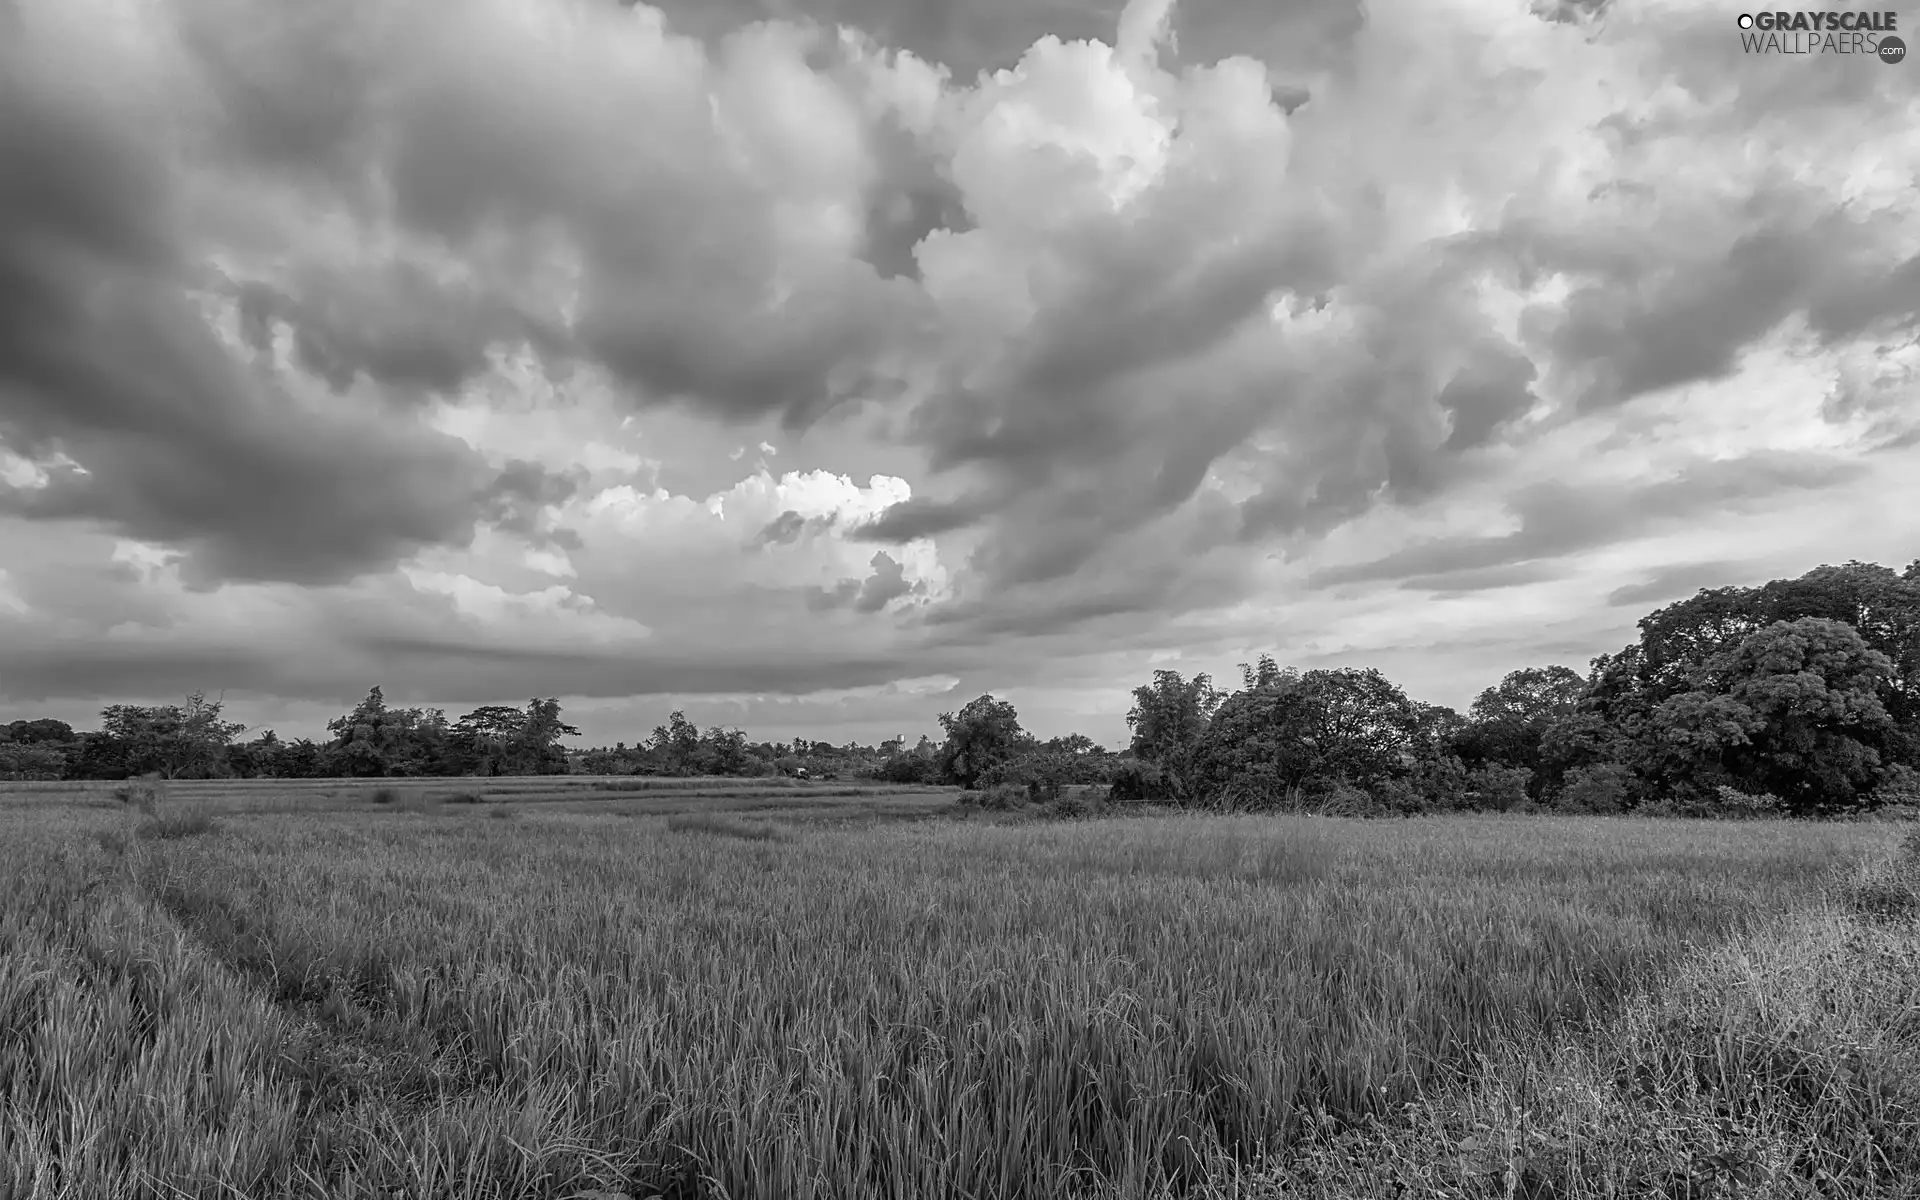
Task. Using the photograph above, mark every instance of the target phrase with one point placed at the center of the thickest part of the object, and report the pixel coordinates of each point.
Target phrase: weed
(177, 821)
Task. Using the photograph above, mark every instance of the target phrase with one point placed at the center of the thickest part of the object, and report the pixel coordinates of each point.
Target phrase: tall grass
(331, 1005)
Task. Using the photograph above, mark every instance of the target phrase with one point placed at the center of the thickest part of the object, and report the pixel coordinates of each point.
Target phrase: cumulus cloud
(451, 338)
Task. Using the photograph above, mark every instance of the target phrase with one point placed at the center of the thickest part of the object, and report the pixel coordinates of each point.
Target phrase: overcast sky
(817, 365)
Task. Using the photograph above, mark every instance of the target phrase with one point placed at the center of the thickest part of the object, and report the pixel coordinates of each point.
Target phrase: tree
(375, 740)
(677, 744)
(1507, 724)
(38, 732)
(176, 741)
(1792, 710)
(1882, 607)
(1168, 719)
(498, 739)
(1305, 735)
(537, 749)
(32, 760)
(981, 736)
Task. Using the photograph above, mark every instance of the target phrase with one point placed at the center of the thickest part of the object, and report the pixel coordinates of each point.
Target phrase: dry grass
(339, 1003)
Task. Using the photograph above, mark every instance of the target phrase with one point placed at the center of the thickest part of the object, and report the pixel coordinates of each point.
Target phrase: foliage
(32, 760)
(1791, 710)
(176, 741)
(1168, 719)
(1298, 737)
(1138, 782)
(1596, 788)
(981, 737)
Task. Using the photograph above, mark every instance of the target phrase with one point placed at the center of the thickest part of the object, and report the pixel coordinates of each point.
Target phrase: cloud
(1676, 581)
(1556, 520)
(405, 343)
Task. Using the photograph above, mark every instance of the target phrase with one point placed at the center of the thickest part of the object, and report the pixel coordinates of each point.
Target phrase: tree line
(1798, 695)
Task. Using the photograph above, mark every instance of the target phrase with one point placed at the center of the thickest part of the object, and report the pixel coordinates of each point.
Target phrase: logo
(1868, 34)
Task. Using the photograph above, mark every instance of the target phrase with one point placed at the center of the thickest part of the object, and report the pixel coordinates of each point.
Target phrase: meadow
(575, 988)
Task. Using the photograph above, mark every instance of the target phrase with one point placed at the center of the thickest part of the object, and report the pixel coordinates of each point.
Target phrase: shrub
(908, 768)
(1073, 803)
(467, 796)
(1499, 788)
(176, 822)
(1003, 797)
(143, 793)
(1736, 803)
(386, 795)
(1137, 782)
(1338, 798)
(1598, 788)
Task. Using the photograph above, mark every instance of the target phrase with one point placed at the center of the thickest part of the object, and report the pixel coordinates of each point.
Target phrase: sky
(814, 366)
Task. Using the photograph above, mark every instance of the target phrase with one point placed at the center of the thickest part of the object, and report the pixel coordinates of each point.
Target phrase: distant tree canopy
(1797, 696)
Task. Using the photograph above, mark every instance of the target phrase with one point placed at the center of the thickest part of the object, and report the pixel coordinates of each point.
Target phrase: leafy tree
(1303, 735)
(1168, 719)
(538, 749)
(375, 740)
(498, 739)
(302, 758)
(482, 741)
(1806, 700)
(32, 760)
(257, 759)
(677, 744)
(980, 737)
(1675, 641)
(178, 741)
(1508, 724)
(38, 732)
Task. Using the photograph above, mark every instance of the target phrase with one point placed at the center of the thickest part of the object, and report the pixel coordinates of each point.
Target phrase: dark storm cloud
(919, 517)
(887, 584)
(1678, 580)
(394, 324)
(783, 530)
(516, 499)
(1494, 389)
(106, 356)
(1561, 519)
(789, 527)
(1646, 318)
(1483, 579)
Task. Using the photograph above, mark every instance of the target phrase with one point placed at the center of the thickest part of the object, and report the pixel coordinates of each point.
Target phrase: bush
(1598, 788)
(1073, 803)
(143, 793)
(908, 768)
(1004, 797)
(171, 822)
(462, 797)
(1138, 782)
(1498, 788)
(386, 795)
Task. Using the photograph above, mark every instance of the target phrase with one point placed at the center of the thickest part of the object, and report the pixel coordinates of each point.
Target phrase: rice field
(716, 992)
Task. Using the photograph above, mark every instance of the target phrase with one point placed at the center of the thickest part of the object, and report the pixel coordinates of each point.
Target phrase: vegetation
(309, 1003)
(1797, 697)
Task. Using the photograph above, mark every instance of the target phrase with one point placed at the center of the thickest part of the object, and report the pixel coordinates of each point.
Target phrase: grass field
(727, 989)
